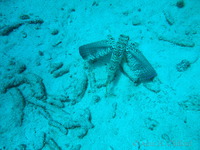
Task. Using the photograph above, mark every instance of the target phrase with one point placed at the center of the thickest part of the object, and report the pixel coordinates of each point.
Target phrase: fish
(116, 57)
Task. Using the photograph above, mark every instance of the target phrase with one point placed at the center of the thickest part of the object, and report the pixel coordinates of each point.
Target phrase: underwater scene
(100, 75)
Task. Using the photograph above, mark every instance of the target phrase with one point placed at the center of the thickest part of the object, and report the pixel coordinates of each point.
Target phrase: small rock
(96, 99)
(72, 10)
(136, 21)
(95, 3)
(179, 40)
(56, 43)
(166, 138)
(36, 21)
(126, 13)
(191, 103)
(55, 32)
(10, 28)
(151, 124)
(24, 34)
(183, 65)
(169, 17)
(24, 17)
(40, 53)
(60, 72)
(55, 66)
(153, 86)
(114, 107)
(21, 147)
(190, 30)
(76, 147)
(180, 3)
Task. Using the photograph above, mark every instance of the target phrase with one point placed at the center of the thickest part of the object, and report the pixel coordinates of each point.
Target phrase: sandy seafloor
(51, 99)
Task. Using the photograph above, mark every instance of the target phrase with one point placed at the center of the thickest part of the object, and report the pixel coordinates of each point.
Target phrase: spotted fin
(96, 50)
(138, 65)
